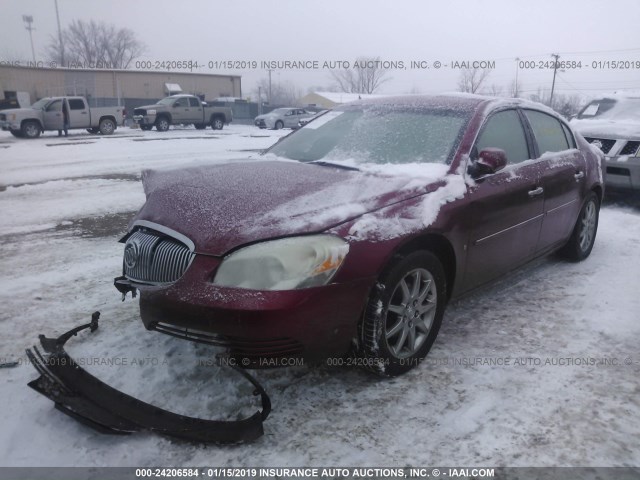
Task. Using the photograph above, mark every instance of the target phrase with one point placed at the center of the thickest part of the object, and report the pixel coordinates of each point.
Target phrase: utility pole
(553, 84)
(28, 20)
(515, 93)
(60, 36)
(270, 85)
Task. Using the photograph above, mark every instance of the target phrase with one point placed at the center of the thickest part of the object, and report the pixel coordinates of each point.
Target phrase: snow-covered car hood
(221, 207)
(613, 129)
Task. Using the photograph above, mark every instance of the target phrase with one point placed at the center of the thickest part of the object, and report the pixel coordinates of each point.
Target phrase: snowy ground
(65, 202)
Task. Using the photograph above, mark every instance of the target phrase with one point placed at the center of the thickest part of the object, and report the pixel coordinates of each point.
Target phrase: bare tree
(567, 105)
(365, 76)
(493, 90)
(471, 79)
(324, 88)
(96, 43)
(282, 93)
(542, 95)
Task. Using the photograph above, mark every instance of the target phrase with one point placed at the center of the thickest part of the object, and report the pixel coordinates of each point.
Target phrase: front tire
(403, 314)
(162, 124)
(583, 236)
(279, 125)
(107, 126)
(31, 129)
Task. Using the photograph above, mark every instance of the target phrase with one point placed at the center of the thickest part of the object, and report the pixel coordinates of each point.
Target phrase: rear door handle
(578, 175)
(536, 192)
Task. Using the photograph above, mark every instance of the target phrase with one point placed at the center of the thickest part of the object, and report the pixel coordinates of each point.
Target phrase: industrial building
(112, 87)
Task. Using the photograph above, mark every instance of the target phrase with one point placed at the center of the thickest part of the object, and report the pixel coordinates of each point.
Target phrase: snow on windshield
(377, 135)
(612, 109)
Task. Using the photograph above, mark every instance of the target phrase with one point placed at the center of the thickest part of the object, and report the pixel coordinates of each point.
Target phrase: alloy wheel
(411, 312)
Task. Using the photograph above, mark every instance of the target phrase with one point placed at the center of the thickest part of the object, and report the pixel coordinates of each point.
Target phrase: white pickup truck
(47, 114)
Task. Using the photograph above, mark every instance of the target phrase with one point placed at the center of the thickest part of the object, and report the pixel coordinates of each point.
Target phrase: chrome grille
(154, 258)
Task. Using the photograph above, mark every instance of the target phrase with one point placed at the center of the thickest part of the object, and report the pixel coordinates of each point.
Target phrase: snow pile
(379, 226)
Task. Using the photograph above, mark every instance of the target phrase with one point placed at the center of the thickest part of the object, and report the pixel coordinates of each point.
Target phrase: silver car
(612, 124)
(282, 118)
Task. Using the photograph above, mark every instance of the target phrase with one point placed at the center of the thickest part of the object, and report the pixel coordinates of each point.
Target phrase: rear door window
(76, 104)
(548, 132)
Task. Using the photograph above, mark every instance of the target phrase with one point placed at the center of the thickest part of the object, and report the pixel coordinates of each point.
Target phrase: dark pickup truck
(181, 110)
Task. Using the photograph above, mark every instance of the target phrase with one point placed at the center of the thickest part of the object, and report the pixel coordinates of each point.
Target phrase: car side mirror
(490, 160)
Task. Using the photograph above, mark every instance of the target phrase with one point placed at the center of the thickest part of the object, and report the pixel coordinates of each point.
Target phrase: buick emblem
(131, 252)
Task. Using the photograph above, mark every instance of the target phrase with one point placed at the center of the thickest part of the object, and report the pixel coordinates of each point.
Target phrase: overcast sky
(331, 30)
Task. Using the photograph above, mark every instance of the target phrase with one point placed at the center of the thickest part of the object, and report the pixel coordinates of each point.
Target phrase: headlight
(151, 112)
(286, 264)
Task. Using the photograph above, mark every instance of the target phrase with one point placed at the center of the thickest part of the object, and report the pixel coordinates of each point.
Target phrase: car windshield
(612, 109)
(40, 104)
(377, 135)
(279, 111)
(168, 101)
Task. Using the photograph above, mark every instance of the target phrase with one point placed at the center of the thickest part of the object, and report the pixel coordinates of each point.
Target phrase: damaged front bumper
(107, 410)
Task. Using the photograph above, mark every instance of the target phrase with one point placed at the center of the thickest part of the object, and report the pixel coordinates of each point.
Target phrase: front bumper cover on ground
(95, 404)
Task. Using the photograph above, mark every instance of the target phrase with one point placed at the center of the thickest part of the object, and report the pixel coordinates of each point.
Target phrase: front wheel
(583, 236)
(162, 124)
(403, 314)
(31, 129)
(279, 125)
(107, 126)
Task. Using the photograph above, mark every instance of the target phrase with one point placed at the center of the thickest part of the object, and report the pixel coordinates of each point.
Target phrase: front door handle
(536, 192)
(578, 175)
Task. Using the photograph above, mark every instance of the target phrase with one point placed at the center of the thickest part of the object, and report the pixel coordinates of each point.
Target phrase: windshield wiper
(337, 165)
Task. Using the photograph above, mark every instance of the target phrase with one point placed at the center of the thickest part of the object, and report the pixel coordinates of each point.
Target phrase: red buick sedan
(351, 234)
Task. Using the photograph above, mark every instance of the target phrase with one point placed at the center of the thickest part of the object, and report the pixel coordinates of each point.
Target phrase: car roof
(455, 100)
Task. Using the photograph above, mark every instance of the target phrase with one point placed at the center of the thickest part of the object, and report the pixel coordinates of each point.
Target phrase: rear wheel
(583, 236)
(107, 126)
(403, 314)
(162, 124)
(217, 123)
(31, 129)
